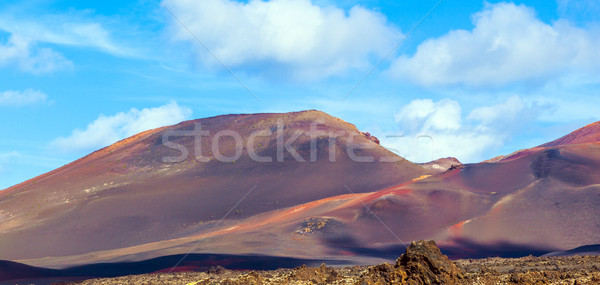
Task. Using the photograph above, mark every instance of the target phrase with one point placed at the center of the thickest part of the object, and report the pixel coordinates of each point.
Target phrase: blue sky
(481, 78)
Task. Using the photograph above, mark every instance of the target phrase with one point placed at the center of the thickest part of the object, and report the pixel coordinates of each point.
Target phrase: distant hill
(442, 164)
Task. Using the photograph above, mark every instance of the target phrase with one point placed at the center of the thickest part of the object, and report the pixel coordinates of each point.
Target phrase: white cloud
(437, 129)
(426, 115)
(106, 130)
(508, 44)
(19, 98)
(294, 37)
(503, 113)
(27, 57)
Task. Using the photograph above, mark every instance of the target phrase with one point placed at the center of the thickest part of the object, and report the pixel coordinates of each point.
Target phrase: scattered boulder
(314, 224)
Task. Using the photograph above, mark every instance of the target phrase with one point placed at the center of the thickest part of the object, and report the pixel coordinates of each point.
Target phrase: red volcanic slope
(587, 134)
(543, 199)
(122, 203)
(126, 195)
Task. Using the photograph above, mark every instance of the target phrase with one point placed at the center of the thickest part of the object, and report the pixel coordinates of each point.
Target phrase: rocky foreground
(423, 263)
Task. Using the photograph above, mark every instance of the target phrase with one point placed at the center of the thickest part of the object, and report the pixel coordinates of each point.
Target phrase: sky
(429, 78)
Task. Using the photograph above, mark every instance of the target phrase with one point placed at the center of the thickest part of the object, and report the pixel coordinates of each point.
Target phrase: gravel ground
(526, 270)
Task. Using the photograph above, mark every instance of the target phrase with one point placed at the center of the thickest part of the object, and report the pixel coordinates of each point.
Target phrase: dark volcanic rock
(372, 137)
(424, 263)
(383, 274)
(320, 275)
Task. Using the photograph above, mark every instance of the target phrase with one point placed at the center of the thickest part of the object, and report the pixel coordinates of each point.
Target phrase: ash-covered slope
(144, 189)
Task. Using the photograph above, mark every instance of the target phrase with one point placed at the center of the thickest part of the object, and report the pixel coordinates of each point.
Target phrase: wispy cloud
(6, 158)
(579, 10)
(71, 29)
(20, 98)
(508, 44)
(106, 130)
(33, 40)
(26, 56)
(291, 37)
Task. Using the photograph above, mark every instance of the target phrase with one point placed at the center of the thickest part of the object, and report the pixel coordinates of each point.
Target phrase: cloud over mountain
(106, 130)
(443, 131)
(293, 36)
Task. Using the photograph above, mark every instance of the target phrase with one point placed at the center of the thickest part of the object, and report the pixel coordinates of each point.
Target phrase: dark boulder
(424, 263)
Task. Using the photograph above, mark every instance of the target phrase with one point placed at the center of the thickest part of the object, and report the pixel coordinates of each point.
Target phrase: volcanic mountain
(185, 179)
(350, 200)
